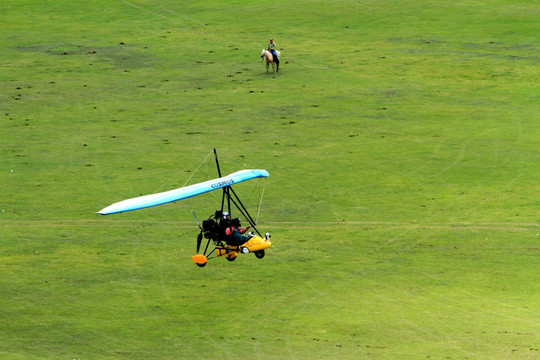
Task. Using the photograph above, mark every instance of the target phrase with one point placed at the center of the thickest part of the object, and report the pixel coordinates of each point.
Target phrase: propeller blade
(199, 240)
(196, 220)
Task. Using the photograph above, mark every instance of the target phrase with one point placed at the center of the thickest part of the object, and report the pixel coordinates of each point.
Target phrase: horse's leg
(267, 66)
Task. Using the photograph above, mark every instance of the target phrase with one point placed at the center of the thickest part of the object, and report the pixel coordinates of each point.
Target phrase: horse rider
(272, 48)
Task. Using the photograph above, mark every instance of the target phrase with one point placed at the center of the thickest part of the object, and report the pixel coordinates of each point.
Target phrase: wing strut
(226, 193)
(240, 206)
(227, 190)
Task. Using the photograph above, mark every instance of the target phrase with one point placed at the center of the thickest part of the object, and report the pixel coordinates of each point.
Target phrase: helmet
(235, 222)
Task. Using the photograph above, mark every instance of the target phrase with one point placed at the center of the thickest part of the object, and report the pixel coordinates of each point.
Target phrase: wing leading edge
(146, 201)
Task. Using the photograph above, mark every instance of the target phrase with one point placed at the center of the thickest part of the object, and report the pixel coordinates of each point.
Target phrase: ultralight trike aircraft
(219, 228)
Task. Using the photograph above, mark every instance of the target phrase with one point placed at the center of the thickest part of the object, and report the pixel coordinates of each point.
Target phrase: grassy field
(402, 143)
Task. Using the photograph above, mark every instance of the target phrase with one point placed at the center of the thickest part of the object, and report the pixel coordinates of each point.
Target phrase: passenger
(235, 233)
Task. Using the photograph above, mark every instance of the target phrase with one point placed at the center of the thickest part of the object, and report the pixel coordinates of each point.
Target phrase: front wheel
(259, 254)
(231, 258)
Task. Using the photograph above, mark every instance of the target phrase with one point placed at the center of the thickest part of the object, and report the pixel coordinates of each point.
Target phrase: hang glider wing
(183, 192)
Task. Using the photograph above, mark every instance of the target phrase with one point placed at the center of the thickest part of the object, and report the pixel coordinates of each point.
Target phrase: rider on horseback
(272, 48)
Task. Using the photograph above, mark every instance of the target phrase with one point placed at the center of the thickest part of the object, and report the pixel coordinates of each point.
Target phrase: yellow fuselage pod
(256, 243)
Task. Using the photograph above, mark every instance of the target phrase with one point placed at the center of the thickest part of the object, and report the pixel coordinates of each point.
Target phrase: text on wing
(223, 183)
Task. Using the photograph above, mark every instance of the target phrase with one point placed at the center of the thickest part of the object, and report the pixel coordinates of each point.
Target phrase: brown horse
(270, 59)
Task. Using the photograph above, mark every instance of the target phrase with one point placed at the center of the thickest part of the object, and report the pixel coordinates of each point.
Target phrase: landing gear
(259, 254)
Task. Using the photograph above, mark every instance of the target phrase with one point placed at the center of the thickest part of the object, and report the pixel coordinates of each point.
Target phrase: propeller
(199, 240)
(199, 237)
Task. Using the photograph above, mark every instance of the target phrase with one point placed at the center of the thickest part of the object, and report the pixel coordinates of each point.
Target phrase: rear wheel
(259, 254)
(231, 258)
(201, 265)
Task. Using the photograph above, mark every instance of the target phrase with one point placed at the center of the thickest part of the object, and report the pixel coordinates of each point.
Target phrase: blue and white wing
(183, 192)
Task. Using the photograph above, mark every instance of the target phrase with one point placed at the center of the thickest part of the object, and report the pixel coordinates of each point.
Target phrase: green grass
(402, 141)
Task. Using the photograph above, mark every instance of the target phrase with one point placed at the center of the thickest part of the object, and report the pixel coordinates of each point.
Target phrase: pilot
(225, 220)
(235, 233)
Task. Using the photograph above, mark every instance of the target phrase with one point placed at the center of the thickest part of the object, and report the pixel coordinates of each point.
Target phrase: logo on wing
(222, 183)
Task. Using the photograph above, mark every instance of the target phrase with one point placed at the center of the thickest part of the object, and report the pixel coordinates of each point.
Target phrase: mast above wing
(183, 192)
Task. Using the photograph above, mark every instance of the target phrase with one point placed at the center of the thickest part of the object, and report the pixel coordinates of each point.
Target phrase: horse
(270, 59)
